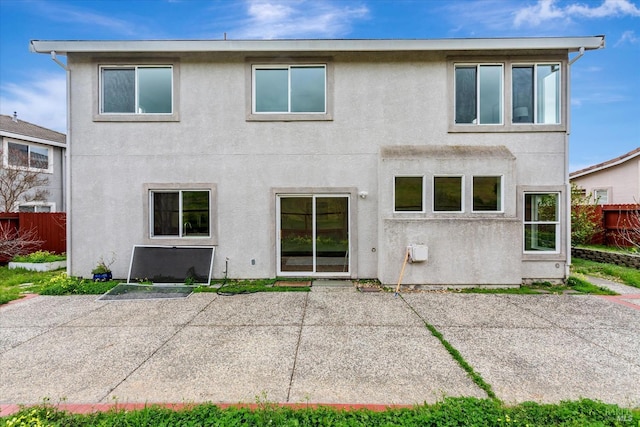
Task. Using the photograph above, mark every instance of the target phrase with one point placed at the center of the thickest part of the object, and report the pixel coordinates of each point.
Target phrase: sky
(605, 84)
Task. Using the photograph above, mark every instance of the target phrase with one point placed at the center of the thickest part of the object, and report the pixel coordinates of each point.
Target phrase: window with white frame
(541, 222)
(601, 196)
(536, 93)
(408, 194)
(27, 156)
(478, 94)
(487, 193)
(136, 89)
(180, 213)
(36, 207)
(289, 89)
(448, 194)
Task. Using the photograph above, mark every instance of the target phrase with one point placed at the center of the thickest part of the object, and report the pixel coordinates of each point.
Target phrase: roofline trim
(63, 47)
(605, 165)
(22, 137)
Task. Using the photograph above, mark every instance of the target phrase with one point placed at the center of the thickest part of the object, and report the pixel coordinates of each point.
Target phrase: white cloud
(546, 10)
(627, 37)
(42, 101)
(270, 19)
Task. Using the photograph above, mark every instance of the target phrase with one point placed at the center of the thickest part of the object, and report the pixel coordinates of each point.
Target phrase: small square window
(182, 214)
(137, 90)
(447, 194)
(408, 194)
(487, 193)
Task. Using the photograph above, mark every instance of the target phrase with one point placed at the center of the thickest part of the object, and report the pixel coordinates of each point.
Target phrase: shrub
(40, 257)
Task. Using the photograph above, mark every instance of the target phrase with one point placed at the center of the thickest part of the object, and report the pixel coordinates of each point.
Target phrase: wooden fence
(616, 221)
(49, 227)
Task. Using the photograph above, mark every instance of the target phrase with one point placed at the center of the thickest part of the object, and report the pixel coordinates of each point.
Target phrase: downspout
(567, 184)
(67, 160)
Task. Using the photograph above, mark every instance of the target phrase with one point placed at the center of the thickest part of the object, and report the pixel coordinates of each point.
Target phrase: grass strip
(618, 273)
(476, 377)
(451, 411)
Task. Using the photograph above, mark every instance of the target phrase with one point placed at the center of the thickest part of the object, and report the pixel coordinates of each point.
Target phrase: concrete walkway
(331, 345)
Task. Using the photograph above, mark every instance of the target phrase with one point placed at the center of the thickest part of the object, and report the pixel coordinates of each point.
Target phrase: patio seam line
(571, 332)
(179, 328)
(427, 326)
(295, 354)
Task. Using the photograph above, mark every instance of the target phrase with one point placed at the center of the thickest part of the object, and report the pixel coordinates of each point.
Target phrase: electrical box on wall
(418, 253)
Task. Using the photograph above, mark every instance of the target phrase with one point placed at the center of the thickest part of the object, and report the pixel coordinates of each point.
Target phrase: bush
(61, 284)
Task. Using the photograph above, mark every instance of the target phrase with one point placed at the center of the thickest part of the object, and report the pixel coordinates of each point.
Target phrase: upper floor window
(136, 89)
(289, 89)
(478, 94)
(27, 156)
(536, 93)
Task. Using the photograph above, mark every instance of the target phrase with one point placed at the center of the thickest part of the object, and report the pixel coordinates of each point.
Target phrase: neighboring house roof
(62, 47)
(604, 165)
(19, 129)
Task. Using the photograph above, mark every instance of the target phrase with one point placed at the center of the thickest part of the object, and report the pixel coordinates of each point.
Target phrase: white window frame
(288, 67)
(424, 201)
(36, 205)
(462, 193)
(535, 66)
(135, 67)
(500, 196)
(5, 156)
(181, 235)
(556, 223)
(597, 197)
(477, 66)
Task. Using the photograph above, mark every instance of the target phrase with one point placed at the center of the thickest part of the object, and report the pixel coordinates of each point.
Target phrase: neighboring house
(36, 149)
(616, 181)
(325, 158)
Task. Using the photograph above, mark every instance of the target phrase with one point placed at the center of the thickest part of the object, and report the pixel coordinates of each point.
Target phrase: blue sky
(605, 98)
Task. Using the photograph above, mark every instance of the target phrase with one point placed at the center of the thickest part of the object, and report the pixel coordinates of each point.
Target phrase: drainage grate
(128, 291)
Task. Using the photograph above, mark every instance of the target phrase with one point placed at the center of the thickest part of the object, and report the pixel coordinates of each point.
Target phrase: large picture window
(27, 156)
(408, 194)
(541, 222)
(136, 90)
(536, 93)
(289, 89)
(478, 94)
(181, 213)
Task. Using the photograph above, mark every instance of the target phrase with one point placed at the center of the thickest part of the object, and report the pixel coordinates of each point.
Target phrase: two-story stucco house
(325, 158)
(616, 181)
(36, 150)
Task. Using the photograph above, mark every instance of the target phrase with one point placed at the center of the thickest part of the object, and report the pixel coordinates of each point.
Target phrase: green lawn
(626, 275)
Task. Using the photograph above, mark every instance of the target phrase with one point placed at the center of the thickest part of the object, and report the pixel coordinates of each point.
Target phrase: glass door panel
(332, 234)
(314, 234)
(296, 234)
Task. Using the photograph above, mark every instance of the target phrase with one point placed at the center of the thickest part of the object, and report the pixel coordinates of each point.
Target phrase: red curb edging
(89, 408)
(24, 297)
(620, 299)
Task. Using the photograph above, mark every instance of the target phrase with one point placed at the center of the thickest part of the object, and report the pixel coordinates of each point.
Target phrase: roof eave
(63, 47)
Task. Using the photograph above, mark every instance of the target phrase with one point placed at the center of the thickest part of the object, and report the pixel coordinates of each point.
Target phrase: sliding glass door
(313, 235)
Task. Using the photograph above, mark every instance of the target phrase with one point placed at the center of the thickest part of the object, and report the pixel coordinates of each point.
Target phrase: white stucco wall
(379, 101)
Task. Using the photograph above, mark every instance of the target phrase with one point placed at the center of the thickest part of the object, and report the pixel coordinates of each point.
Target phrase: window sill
(175, 117)
(455, 128)
(285, 117)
